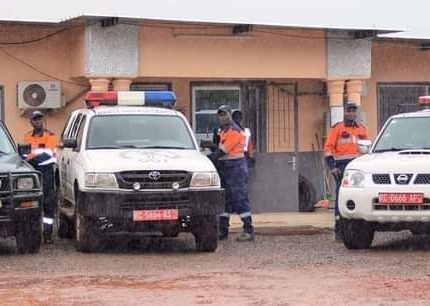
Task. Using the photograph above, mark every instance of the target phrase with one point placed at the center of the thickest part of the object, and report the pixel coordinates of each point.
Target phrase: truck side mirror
(24, 148)
(364, 145)
(70, 143)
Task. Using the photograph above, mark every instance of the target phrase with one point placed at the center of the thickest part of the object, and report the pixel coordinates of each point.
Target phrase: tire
(86, 239)
(356, 234)
(28, 235)
(65, 227)
(206, 233)
(307, 195)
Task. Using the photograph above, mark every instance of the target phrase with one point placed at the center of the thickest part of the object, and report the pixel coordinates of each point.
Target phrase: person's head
(237, 116)
(224, 115)
(37, 120)
(350, 111)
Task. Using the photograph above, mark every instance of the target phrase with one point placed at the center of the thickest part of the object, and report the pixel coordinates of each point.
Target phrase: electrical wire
(33, 40)
(40, 71)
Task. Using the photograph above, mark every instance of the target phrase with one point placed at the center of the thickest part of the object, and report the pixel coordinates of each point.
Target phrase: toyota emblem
(154, 175)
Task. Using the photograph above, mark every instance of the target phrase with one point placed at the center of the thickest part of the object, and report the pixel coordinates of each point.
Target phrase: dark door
(274, 179)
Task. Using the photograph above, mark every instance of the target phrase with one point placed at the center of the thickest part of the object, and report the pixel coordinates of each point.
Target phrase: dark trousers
(49, 196)
(234, 179)
(341, 164)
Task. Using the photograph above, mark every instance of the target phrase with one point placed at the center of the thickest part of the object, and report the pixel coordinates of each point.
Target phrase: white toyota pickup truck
(388, 189)
(126, 168)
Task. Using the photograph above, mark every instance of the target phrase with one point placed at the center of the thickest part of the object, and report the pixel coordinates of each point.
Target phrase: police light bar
(130, 98)
(424, 100)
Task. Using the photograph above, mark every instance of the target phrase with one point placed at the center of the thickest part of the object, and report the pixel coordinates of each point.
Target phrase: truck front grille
(422, 179)
(401, 179)
(4, 183)
(381, 179)
(126, 179)
(157, 201)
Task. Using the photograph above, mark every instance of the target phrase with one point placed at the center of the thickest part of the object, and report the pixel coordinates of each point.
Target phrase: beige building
(288, 81)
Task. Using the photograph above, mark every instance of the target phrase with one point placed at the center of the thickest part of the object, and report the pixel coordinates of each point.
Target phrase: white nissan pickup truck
(130, 163)
(388, 189)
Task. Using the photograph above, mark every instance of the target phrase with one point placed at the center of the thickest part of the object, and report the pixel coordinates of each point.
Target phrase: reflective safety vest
(249, 146)
(232, 142)
(43, 148)
(342, 140)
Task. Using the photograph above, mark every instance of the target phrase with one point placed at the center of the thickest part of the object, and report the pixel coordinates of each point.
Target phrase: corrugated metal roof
(382, 15)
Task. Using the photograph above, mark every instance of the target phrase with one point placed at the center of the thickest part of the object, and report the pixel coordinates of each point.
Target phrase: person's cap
(224, 109)
(350, 105)
(36, 114)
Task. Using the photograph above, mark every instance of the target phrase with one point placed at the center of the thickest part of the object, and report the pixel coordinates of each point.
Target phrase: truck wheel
(307, 195)
(356, 234)
(86, 239)
(28, 234)
(206, 233)
(65, 227)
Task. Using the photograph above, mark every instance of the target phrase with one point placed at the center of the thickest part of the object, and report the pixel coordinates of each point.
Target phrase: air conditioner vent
(39, 94)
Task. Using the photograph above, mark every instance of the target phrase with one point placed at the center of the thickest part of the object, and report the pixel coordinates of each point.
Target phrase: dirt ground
(282, 267)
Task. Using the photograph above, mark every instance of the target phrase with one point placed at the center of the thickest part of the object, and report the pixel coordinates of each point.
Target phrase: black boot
(47, 234)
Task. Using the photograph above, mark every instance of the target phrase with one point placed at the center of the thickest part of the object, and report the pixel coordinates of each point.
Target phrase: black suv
(21, 196)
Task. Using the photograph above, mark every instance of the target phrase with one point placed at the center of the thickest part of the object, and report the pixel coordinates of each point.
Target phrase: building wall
(167, 52)
(50, 58)
(347, 57)
(393, 61)
(111, 51)
(76, 45)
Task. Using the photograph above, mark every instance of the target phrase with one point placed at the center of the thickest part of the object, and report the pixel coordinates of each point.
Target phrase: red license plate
(401, 198)
(155, 215)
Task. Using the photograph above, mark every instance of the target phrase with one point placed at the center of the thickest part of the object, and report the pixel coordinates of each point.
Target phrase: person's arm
(329, 147)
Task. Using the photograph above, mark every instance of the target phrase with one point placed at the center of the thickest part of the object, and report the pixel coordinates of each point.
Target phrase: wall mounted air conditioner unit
(39, 95)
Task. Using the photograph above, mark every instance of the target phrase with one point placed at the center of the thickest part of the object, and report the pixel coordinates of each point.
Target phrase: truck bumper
(113, 212)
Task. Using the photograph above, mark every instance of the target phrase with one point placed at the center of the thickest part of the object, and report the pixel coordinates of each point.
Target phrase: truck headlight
(24, 183)
(205, 179)
(353, 178)
(100, 180)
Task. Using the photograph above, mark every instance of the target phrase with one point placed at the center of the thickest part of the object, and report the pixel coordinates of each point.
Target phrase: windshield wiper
(105, 147)
(390, 150)
(164, 147)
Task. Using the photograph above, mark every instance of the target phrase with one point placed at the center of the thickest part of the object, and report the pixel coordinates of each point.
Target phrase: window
(6, 146)
(206, 100)
(150, 86)
(398, 98)
(139, 131)
(74, 129)
(405, 134)
(81, 132)
(1, 103)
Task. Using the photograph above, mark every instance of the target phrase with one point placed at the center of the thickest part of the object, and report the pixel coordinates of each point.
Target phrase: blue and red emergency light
(130, 98)
(424, 100)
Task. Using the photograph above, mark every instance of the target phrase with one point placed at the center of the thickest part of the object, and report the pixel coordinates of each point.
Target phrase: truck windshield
(404, 134)
(139, 131)
(6, 146)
